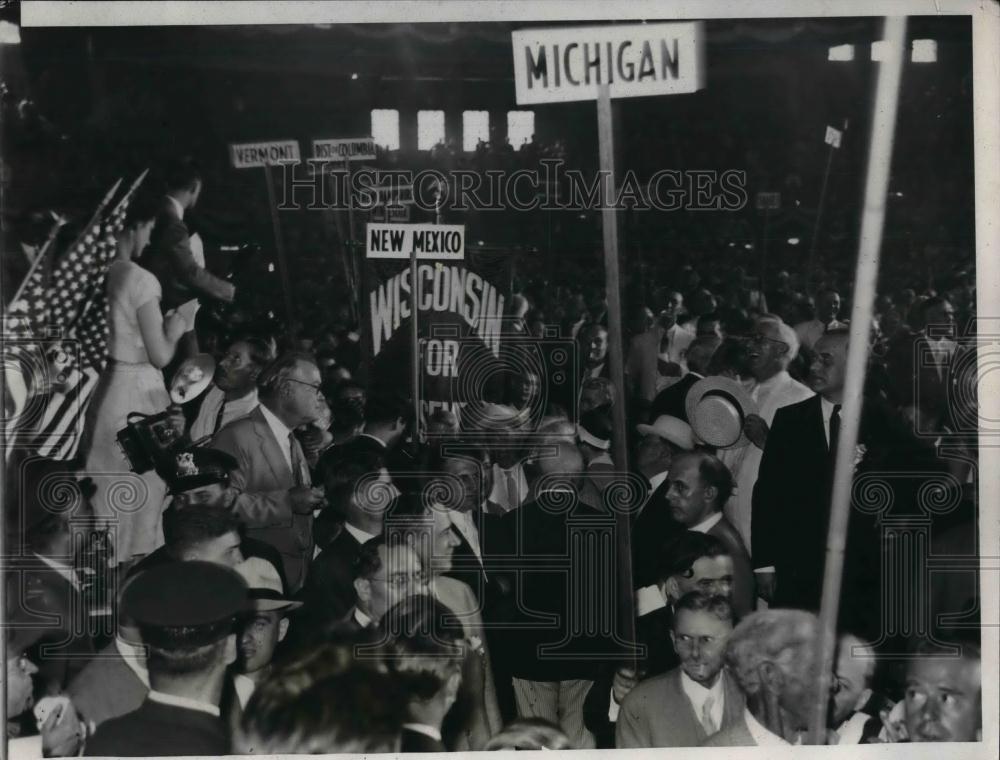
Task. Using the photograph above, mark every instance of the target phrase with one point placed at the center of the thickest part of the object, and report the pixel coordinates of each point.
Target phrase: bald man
(552, 663)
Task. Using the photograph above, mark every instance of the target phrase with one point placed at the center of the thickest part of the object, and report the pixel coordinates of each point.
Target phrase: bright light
(793, 241)
(475, 127)
(430, 129)
(270, 266)
(354, 75)
(841, 53)
(520, 127)
(924, 51)
(385, 128)
(748, 246)
(10, 34)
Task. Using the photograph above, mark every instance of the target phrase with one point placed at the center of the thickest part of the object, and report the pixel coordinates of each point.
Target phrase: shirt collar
(775, 380)
(63, 571)
(361, 536)
(762, 736)
(244, 686)
(698, 693)
(423, 728)
(849, 732)
(602, 458)
(707, 524)
(184, 702)
(134, 658)
(280, 430)
(374, 438)
(363, 620)
(657, 480)
(177, 206)
(827, 407)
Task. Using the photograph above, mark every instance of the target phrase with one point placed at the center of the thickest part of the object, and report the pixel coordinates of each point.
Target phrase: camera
(151, 442)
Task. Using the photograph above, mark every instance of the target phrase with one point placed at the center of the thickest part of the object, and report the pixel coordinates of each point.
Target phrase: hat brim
(728, 386)
(264, 600)
(687, 445)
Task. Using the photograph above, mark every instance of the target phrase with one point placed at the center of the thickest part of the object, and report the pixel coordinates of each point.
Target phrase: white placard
(833, 137)
(560, 65)
(257, 154)
(430, 241)
(354, 148)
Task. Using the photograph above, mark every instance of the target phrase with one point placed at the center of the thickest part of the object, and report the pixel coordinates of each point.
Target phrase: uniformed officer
(199, 477)
(186, 613)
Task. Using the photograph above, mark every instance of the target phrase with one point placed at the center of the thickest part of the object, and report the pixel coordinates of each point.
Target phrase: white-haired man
(771, 656)
(773, 346)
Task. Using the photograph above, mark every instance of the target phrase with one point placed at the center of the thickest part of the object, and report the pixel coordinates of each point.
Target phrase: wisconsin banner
(461, 305)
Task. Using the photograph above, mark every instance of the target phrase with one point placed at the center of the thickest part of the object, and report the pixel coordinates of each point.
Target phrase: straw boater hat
(717, 408)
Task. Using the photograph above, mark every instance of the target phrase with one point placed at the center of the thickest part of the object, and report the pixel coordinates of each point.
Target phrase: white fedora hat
(264, 583)
(671, 429)
(717, 408)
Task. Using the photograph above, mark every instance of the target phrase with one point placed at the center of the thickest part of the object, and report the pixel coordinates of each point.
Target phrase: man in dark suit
(274, 493)
(685, 706)
(426, 653)
(358, 493)
(45, 596)
(186, 613)
(169, 254)
(791, 500)
(551, 652)
(653, 525)
(475, 520)
(699, 485)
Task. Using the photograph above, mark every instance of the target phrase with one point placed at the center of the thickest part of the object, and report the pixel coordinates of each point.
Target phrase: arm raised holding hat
(756, 429)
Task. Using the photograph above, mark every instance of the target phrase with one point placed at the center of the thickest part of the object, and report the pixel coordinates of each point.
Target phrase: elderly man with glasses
(772, 348)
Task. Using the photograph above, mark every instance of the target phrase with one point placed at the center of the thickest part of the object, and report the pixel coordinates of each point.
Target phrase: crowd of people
(307, 568)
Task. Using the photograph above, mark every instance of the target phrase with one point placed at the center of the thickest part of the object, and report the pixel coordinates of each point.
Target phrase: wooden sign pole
(865, 282)
(606, 143)
(279, 247)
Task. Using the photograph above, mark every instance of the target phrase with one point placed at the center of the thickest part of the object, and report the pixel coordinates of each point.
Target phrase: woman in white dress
(141, 342)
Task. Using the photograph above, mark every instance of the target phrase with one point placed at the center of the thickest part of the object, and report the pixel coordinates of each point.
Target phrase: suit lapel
(688, 716)
(272, 451)
(735, 703)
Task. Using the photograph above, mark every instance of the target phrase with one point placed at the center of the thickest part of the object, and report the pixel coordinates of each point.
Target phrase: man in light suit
(685, 706)
(274, 489)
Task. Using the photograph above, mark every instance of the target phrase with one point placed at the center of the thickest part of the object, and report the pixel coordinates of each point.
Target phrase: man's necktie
(300, 470)
(218, 418)
(834, 430)
(706, 716)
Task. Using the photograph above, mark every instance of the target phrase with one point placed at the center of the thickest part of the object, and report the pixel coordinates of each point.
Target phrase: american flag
(69, 320)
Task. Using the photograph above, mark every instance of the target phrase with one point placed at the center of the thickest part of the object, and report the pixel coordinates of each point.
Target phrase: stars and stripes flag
(69, 322)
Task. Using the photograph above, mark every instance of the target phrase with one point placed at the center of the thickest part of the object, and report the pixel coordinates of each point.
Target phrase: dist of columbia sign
(561, 65)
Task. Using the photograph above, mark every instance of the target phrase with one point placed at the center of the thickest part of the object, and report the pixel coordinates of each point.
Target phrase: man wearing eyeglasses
(274, 489)
(387, 571)
(772, 348)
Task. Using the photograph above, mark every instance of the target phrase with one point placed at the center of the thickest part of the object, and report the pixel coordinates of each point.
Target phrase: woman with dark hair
(141, 342)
